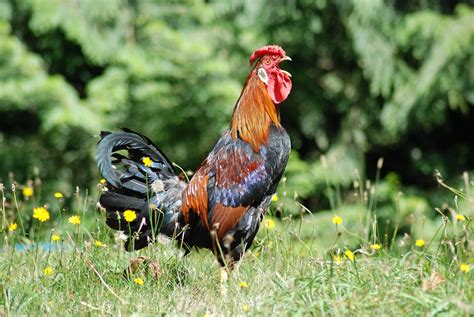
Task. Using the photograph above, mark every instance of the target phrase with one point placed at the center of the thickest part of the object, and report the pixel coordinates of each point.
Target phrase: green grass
(284, 278)
(298, 267)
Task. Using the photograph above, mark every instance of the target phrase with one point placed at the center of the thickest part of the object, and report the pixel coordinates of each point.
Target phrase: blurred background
(371, 79)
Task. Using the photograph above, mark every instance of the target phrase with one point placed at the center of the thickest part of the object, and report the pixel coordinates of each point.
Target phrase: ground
(281, 275)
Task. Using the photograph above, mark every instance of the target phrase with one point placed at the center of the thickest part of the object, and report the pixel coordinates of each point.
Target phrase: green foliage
(371, 79)
(440, 50)
(375, 79)
(147, 66)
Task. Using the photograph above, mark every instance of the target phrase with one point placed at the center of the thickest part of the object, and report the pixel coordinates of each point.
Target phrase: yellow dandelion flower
(75, 220)
(243, 284)
(41, 214)
(129, 215)
(139, 281)
(58, 195)
(98, 243)
(464, 267)
(55, 237)
(420, 242)
(257, 254)
(48, 271)
(275, 197)
(27, 191)
(147, 161)
(338, 259)
(375, 246)
(269, 224)
(245, 308)
(336, 220)
(102, 181)
(460, 217)
(350, 255)
(12, 227)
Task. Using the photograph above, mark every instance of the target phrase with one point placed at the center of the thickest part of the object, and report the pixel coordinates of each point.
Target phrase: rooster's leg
(224, 275)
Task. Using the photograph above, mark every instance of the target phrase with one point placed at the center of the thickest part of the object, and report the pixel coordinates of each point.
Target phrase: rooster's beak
(285, 58)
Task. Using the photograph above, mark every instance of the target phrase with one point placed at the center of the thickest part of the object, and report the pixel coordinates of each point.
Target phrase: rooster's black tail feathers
(140, 180)
(139, 148)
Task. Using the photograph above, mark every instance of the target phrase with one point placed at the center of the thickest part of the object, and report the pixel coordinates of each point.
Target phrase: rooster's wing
(231, 180)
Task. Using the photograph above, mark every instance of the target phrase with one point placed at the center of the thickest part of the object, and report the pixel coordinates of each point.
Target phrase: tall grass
(363, 264)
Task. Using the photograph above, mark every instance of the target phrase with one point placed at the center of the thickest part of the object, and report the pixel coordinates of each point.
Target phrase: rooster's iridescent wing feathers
(238, 174)
(234, 177)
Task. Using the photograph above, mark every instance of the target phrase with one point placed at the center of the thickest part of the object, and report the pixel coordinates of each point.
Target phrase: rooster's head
(267, 68)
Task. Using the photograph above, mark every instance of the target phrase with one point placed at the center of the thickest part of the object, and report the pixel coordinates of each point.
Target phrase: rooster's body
(223, 204)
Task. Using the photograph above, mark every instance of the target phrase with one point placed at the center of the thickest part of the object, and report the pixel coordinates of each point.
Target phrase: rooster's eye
(267, 62)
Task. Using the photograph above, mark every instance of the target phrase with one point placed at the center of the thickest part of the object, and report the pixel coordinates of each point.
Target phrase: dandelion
(58, 195)
(269, 224)
(41, 214)
(464, 267)
(243, 284)
(460, 217)
(338, 259)
(129, 215)
(350, 255)
(47, 271)
(420, 242)
(55, 237)
(245, 308)
(147, 161)
(375, 246)
(99, 244)
(102, 181)
(336, 220)
(27, 191)
(139, 281)
(12, 227)
(75, 220)
(275, 197)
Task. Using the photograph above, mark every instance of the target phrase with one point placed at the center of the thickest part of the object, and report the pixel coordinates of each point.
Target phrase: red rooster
(223, 204)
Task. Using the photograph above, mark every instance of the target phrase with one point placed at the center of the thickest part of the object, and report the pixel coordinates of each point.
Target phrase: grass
(297, 267)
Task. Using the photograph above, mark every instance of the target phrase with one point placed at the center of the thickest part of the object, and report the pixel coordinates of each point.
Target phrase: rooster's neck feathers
(254, 113)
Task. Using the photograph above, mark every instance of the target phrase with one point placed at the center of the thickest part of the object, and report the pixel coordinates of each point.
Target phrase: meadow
(56, 261)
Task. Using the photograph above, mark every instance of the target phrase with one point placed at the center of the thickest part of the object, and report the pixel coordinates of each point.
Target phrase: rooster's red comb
(267, 50)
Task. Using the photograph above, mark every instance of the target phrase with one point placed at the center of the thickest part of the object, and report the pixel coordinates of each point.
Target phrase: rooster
(222, 206)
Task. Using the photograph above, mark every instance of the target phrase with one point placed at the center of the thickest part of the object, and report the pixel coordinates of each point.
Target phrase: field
(330, 263)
